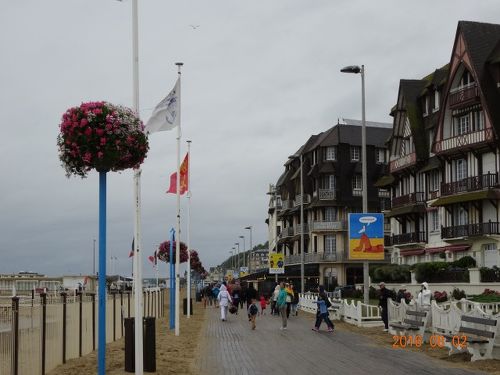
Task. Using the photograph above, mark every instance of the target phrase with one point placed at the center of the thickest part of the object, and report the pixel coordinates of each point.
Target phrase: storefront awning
(442, 249)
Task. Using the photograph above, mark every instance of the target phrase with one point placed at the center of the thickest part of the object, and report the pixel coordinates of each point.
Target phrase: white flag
(166, 115)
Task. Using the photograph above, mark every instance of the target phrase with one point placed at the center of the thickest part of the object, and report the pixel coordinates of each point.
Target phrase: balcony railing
(297, 229)
(385, 204)
(470, 230)
(327, 226)
(433, 194)
(406, 238)
(412, 198)
(286, 204)
(464, 140)
(298, 200)
(314, 258)
(286, 232)
(326, 194)
(357, 192)
(403, 162)
(463, 96)
(384, 193)
(387, 240)
(485, 181)
(387, 227)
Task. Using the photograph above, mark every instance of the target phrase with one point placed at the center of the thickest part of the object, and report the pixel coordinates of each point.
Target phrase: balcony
(328, 226)
(314, 258)
(286, 232)
(286, 204)
(357, 192)
(464, 96)
(387, 240)
(298, 199)
(475, 183)
(298, 229)
(403, 162)
(326, 194)
(470, 230)
(408, 238)
(412, 198)
(433, 195)
(464, 140)
(387, 227)
(385, 204)
(384, 193)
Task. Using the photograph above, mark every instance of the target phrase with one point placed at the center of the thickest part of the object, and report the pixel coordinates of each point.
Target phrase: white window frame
(426, 106)
(331, 153)
(357, 183)
(434, 220)
(437, 97)
(380, 155)
(330, 214)
(355, 153)
(460, 169)
(330, 244)
(463, 124)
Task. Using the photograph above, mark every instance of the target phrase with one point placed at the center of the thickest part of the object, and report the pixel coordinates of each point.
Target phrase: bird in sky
(194, 26)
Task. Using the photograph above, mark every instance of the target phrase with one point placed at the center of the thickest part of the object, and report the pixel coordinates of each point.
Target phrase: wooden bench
(413, 324)
(475, 335)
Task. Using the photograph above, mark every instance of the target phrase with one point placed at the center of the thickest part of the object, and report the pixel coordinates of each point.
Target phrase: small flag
(166, 114)
(184, 183)
(151, 259)
(131, 254)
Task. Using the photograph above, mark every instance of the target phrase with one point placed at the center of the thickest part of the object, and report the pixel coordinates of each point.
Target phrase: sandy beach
(174, 355)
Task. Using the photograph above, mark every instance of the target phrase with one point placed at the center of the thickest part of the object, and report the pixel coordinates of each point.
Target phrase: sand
(174, 354)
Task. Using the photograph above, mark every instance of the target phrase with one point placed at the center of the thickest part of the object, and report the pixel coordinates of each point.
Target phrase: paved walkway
(233, 348)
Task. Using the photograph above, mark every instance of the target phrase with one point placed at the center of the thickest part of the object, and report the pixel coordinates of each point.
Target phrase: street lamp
(244, 249)
(356, 69)
(251, 248)
(237, 257)
(231, 259)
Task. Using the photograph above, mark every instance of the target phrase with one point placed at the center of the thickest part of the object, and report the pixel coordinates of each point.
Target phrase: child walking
(253, 310)
(263, 304)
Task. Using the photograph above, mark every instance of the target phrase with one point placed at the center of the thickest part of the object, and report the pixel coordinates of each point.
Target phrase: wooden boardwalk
(233, 348)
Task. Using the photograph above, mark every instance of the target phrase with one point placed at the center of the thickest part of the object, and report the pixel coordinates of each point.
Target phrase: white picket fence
(355, 313)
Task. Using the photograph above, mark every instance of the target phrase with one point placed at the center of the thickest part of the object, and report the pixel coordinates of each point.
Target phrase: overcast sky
(259, 78)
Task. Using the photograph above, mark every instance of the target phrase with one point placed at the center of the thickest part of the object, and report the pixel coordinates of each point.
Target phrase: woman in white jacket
(424, 297)
(224, 299)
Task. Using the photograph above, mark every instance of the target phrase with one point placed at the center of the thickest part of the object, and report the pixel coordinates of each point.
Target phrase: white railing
(352, 312)
(326, 194)
(327, 226)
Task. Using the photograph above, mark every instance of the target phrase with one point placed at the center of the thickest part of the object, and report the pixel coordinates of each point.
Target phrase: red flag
(184, 183)
(151, 259)
(131, 254)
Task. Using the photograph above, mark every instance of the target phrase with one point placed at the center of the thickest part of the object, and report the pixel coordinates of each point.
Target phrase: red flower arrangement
(101, 136)
(164, 252)
(441, 296)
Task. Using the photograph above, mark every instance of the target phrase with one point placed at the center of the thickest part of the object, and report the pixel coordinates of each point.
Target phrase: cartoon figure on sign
(366, 234)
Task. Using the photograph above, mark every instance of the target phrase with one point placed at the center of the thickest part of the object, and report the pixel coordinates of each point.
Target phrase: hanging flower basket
(101, 136)
(164, 252)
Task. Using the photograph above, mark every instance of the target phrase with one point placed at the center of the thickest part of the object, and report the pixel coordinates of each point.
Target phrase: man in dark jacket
(250, 294)
(382, 303)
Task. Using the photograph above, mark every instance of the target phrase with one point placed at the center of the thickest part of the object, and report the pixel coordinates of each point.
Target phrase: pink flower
(103, 141)
(83, 122)
(88, 132)
(99, 132)
(100, 154)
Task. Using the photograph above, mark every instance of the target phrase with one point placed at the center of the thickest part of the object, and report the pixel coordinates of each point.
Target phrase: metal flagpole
(178, 242)
(189, 233)
(137, 197)
(302, 225)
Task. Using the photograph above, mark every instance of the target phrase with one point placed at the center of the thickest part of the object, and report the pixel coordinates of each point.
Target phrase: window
(330, 244)
(434, 220)
(331, 153)
(356, 182)
(436, 101)
(461, 216)
(330, 214)
(460, 169)
(355, 153)
(478, 117)
(466, 79)
(425, 103)
(328, 182)
(314, 157)
(490, 255)
(380, 155)
(462, 124)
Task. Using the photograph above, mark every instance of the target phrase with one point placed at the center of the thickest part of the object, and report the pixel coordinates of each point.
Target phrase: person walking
(263, 304)
(424, 296)
(252, 313)
(289, 297)
(224, 299)
(250, 294)
(281, 303)
(382, 303)
(236, 299)
(295, 301)
(274, 298)
(322, 313)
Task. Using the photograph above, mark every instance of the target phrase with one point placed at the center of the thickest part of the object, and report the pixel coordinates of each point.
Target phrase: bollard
(184, 306)
(149, 345)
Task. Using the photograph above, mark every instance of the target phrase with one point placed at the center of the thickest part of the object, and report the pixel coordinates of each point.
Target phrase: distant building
(259, 260)
(332, 186)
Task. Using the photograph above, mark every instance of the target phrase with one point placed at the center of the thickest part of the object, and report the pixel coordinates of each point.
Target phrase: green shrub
(392, 273)
(464, 262)
(439, 272)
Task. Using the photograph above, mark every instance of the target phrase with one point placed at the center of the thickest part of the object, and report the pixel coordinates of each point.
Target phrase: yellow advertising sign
(276, 263)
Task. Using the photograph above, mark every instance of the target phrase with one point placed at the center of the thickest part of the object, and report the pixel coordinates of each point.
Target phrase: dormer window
(425, 105)
(436, 101)
(331, 153)
(466, 79)
(355, 153)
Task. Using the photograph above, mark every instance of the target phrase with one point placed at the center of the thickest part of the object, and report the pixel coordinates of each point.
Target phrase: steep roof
(481, 41)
